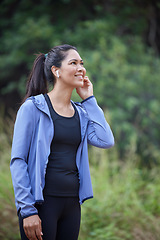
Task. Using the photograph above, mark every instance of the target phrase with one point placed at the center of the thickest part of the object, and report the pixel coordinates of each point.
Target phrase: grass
(8, 218)
(125, 204)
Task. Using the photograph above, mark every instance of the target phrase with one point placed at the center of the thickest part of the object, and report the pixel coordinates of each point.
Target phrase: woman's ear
(55, 71)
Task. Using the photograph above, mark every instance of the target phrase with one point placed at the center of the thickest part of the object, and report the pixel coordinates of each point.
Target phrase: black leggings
(60, 218)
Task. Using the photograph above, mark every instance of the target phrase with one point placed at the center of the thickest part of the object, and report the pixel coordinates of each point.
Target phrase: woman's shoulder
(33, 102)
(29, 108)
(28, 105)
(30, 111)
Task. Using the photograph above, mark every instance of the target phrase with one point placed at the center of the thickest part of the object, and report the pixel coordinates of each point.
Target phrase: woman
(49, 162)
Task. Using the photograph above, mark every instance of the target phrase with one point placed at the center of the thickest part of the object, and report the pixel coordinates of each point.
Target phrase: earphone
(57, 73)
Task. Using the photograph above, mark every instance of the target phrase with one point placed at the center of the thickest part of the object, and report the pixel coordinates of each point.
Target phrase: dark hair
(41, 70)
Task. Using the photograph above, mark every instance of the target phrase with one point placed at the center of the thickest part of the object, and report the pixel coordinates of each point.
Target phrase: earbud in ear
(57, 73)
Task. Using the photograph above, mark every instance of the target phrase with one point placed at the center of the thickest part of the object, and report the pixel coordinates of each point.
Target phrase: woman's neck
(61, 96)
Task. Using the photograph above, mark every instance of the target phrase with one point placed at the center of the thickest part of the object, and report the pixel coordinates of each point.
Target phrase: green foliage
(126, 203)
(125, 73)
(125, 78)
(8, 218)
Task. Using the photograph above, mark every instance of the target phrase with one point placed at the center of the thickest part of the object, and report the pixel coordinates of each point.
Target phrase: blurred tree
(126, 81)
(120, 43)
(31, 26)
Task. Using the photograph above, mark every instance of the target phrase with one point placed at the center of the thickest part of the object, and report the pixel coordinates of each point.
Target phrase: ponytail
(37, 82)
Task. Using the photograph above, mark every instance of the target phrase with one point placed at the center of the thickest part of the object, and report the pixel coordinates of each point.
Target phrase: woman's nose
(80, 67)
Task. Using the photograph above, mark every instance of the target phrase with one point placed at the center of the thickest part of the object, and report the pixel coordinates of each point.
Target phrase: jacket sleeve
(23, 131)
(98, 132)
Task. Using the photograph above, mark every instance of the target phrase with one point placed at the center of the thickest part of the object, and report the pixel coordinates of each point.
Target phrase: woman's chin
(80, 84)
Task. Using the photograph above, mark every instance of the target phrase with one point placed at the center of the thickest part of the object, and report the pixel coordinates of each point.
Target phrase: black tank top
(62, 177)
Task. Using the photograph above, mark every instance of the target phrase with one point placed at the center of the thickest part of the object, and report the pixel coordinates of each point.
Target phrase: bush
(126, 203)
(8, 218)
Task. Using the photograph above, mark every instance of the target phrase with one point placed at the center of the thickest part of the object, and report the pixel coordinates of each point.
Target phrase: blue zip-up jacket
(33, 133)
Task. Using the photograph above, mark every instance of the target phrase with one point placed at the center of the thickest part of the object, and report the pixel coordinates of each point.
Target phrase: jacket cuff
(87, 99)
(25, 216)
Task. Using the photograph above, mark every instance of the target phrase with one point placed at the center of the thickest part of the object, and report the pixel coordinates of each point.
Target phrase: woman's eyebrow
(75, 60)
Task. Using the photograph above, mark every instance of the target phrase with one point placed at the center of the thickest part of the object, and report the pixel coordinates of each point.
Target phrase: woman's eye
(75, 63)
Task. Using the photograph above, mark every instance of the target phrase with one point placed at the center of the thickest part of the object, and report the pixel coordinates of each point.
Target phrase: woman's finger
(39, 234)
(31, 234)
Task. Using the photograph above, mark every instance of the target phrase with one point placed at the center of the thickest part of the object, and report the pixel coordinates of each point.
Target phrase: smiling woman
(71, 74)
(73, 65)
(49, 162)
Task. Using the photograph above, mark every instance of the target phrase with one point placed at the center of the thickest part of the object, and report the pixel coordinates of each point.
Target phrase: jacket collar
(83, 118)
(40, 102)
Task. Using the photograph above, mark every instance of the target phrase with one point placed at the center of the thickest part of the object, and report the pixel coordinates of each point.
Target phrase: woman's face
(72, 71)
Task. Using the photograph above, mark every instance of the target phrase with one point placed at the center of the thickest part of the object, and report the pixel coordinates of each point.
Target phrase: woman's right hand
(32, 227)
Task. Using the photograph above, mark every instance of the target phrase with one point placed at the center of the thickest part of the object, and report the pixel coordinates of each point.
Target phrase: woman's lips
(79, 76)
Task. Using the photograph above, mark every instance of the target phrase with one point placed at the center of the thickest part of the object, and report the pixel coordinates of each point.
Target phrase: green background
(119, 41)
